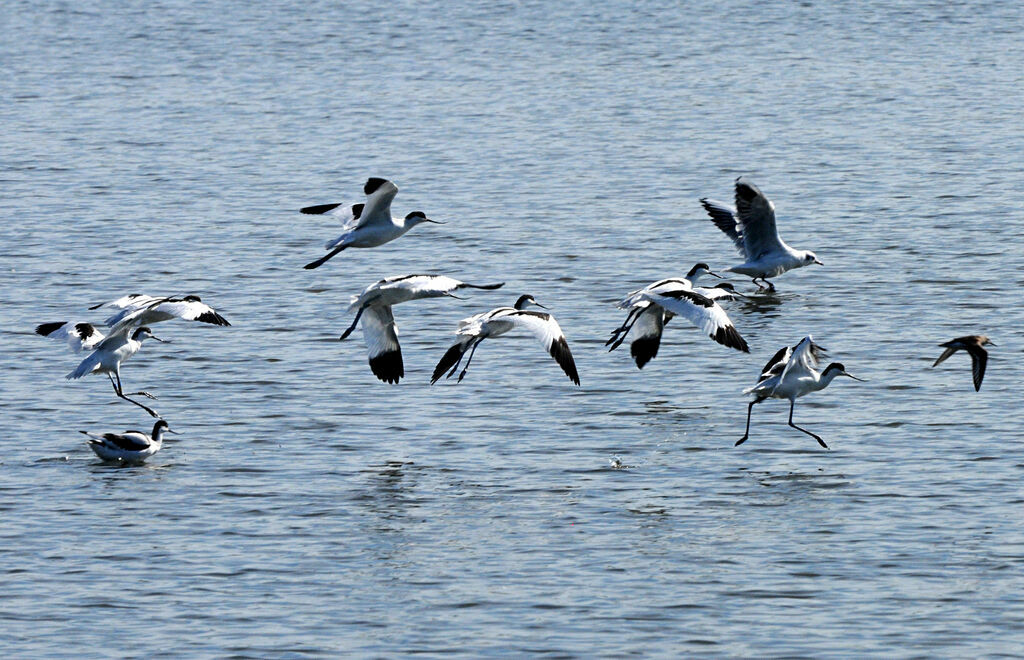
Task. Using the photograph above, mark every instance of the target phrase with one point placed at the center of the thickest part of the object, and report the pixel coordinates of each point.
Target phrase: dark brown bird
(979, 356)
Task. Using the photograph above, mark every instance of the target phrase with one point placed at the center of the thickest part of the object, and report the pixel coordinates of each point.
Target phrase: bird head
(810, 258)
(145, 333)
(525, 300)
(700, 270)
(416, 217)
(837, 369)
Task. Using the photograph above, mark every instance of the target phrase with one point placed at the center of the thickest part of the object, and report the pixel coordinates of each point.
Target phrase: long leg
(622, 328)
(320, 262)
(625, 330)
(353, 326)
(746, 433)
(120, 393)
(471, 352)
(455, 367)
(820, 441)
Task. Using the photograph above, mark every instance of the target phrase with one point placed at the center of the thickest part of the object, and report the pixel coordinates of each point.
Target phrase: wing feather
(381, 337)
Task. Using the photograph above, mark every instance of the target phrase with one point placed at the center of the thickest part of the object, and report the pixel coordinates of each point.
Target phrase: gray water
(308, 509)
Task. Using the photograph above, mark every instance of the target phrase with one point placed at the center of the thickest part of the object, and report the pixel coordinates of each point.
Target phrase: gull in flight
(374, 305)
(979, 356)
(496, 322)
(130, 446)
(369, 224)
(653, 306)
(791, 373)
(751, 226)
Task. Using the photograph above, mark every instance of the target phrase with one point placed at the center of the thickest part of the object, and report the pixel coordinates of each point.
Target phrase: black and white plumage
(791, 373)
(108, 355)
(653, 306)
(130, 446)
(368, 224)
(374, 305)
(79, 336)
(973, 344)
(475, 329)
(751, 226)
(138, 310)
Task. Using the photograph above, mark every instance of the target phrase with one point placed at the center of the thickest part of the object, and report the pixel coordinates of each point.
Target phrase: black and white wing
(804, 357)
(189, 308)
(429, 286)
(646, 333)
(724, 217)
(777, 364)
(132, 300)
(381, 337)
(704, 313)
(545, 328)
(379, 195)
(756, 220)
(79, 336)
(348, 215)
(127, 441)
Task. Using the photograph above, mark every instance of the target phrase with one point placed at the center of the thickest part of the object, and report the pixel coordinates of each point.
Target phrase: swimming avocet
(751, 226)
(130, 446)
(369, 224)
(496, 322)
(374, 305)
(979, 356)
(791, 373)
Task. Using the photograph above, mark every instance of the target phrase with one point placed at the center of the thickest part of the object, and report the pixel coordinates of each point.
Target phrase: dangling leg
(353, 326)
(626, 328)
(746, 433)
(471, 351)
(792, 403)
(451, 372)
(120, 393)
(622, 329)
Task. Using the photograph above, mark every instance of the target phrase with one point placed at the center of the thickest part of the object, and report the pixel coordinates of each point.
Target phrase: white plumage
(475, 329)
(79, 336)
(369, 224)
(751, 226)
(374, 304)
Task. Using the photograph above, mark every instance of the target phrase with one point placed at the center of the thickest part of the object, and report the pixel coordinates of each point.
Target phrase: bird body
(792, 373)
(380, 333)
(108, 355)
(130, 446)
(369, 224)
(979, 356)
(751, 226)
(651, 307)
(502, 320)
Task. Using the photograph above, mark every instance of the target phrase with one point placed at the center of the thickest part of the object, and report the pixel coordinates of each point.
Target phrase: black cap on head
(523, 299)
(139, 331)
(192, 298)
(835, 365)
(416, 214)
(372, 184)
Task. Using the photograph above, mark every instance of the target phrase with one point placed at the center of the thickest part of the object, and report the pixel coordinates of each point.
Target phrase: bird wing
(350, 217)
(756, 220)
(704, 313)
(945, 354)
(189, 310)
(805, 357)
(79, 336)
(128, 441)
(381, 337)
(724, 217)
(979, 359)
(131, 300)
(379, 194)
(545, 328)
(647, 331)
(777, 364)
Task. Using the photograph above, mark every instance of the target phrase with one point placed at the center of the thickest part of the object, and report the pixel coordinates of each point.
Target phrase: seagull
(130, 446)
(374, 305)
(108, 356)
(367, 225)
(791, 373)
(79, 336)
(653, 306)
(751, 226)
(475, 329)
(139, 309)
(979, 356)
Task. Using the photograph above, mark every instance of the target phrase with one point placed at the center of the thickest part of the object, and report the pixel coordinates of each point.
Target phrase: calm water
(308, 509)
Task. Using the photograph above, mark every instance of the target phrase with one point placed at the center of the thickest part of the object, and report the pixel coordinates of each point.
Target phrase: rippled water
(309, 509)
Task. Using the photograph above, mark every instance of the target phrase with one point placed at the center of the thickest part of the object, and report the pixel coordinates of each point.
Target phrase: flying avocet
(130, 446)
(979, 356)
(751, 226)
(108, 355)
(369, 224)
(475, 329)
(653, 306)
(374, 305)
(138, 309)
(791, 373)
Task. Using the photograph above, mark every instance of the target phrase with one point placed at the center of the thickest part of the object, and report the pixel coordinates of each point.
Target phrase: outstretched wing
(189, 310)
(805, 356)
(704, 313)
(79, 336)
(756, 220)
(979, 359)
(381, 338)
(379, 195)
(646, 332)
(724, 217)
(546, 329)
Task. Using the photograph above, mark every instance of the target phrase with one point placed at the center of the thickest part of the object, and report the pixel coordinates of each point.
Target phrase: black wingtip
(319, 209)
(489, 287)
(212, 318)
(372, 184)
(563, 356)
(388, 366)
(728, 336)
(448, 360)
(45, 329)
(644, 350)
